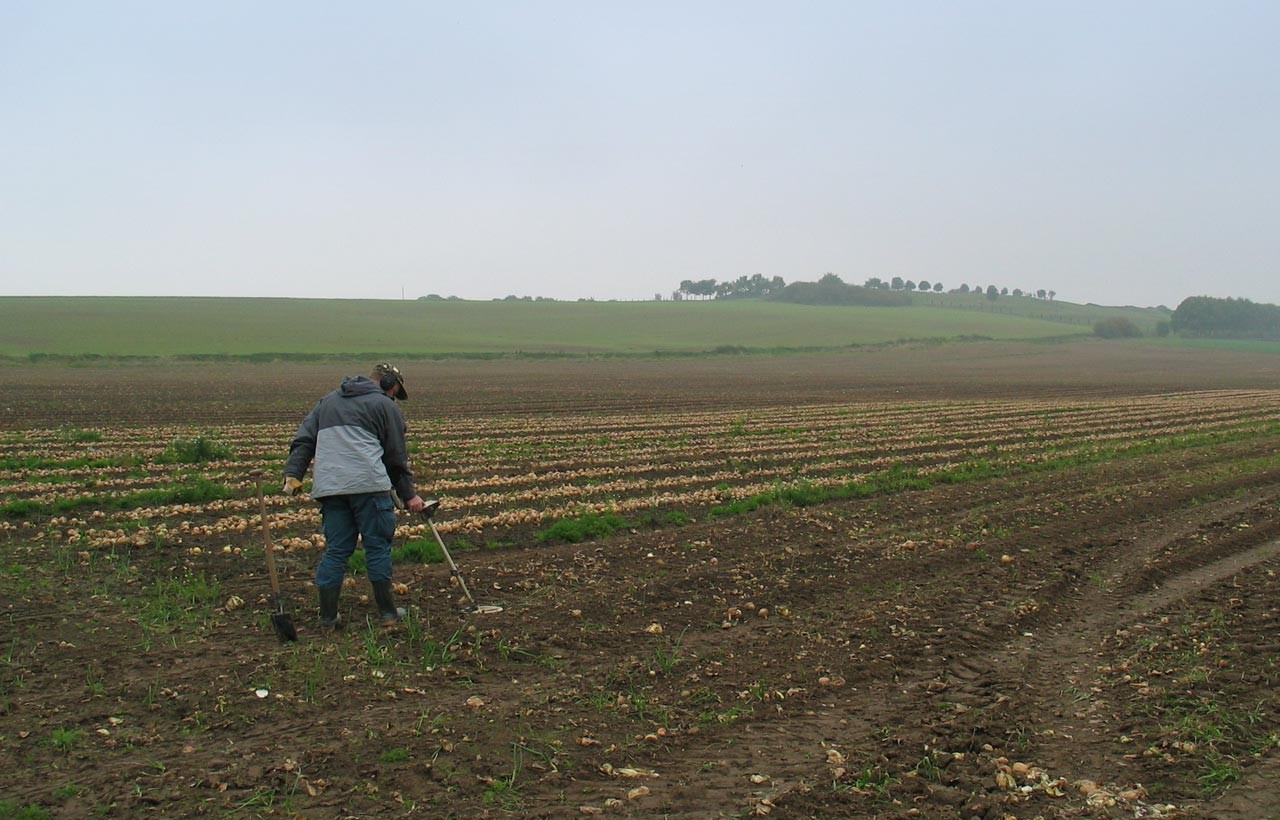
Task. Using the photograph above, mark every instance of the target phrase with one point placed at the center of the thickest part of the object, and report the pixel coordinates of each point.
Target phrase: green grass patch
(873, 781)
(804, 494)
(64, 740)
(194, 491)
(421, 551)
(42, 463)
(22, 508)
(194, 451)
(436, 653)
(668, 654)
(181, 601)
(584, 527)
(11, 810)
(1216, 727)
(1233, 345)
(1217, 774)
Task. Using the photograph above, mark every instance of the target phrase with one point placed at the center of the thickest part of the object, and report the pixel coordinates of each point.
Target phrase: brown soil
(1101, 641)
(209, 393)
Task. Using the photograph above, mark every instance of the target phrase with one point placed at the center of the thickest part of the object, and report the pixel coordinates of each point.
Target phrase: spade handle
(267, 546)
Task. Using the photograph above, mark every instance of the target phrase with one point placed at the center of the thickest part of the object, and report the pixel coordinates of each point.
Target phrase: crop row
(106, 487)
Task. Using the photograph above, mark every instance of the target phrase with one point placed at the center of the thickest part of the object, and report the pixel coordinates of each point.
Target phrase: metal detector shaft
(453, 568)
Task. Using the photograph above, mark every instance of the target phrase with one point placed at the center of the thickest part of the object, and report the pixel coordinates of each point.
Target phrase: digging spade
(280, 620)
(428, 513)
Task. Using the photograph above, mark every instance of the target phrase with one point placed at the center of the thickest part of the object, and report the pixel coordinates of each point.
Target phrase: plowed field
(987, 581)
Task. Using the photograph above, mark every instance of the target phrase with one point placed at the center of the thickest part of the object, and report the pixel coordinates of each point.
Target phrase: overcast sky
(1116, 152)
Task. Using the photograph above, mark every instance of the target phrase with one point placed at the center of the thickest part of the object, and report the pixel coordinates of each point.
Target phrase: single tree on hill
(896, 283)
(924, 285)
(937, 287)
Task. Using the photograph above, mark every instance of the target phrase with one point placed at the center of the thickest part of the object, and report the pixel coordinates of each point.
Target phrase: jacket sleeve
(303, 449)
(395, 454)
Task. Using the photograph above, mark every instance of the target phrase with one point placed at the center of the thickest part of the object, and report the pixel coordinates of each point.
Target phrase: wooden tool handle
(267, 546)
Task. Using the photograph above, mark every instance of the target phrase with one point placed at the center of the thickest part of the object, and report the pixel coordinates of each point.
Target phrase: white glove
(291, 485)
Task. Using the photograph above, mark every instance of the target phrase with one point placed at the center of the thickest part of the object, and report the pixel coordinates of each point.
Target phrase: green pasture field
(1237, 345)
(1029, 307)
(236, 327)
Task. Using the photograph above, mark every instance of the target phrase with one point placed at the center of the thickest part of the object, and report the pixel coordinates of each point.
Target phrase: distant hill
(195, 327)
(1069, 313)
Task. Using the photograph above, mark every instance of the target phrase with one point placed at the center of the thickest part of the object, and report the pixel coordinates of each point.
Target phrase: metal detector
(428, 512)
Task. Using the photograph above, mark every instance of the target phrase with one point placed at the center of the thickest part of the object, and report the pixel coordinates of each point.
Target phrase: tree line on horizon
(831, 289)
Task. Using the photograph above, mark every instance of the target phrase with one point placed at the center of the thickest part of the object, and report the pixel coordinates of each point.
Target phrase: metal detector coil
(428, 512)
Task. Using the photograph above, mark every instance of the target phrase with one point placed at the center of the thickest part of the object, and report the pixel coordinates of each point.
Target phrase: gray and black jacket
(356, 435)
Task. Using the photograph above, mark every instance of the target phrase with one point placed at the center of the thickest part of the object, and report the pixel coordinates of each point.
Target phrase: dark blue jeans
(369, 516)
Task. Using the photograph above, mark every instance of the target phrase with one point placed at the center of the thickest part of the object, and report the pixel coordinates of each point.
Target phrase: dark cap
(388, 376)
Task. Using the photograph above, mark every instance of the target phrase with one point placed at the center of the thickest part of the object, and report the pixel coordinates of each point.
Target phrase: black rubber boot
(329, 618)
(386, 601)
